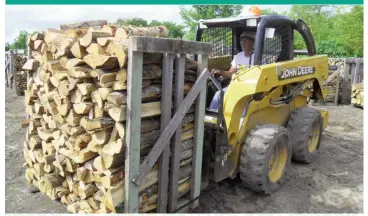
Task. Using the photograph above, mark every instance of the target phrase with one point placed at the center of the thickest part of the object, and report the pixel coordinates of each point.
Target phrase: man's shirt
(241, 59)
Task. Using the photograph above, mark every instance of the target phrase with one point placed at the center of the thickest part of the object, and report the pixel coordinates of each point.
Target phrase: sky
(40, 17)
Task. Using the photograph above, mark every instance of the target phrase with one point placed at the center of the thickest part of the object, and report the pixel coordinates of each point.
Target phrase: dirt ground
(332, 184)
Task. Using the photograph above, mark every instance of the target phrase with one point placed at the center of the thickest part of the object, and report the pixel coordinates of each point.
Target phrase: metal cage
(222, 46)
(275, 48)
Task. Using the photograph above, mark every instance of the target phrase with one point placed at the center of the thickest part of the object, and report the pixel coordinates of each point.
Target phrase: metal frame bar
(133, 128)
(166, 104)
(198, 136)
(176, 142)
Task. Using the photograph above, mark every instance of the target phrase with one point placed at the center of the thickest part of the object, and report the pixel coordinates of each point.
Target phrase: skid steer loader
(263, 120)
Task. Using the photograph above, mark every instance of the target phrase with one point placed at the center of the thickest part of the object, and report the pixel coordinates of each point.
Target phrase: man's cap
(247, 35)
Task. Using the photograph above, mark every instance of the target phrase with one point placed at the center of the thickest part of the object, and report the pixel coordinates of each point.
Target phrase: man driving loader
(242, 58)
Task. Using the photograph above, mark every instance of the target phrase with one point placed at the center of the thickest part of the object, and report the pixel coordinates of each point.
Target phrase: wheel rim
(314, 137)
(277, 162)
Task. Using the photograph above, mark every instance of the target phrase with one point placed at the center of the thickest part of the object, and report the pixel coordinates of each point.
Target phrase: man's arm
(226, 74)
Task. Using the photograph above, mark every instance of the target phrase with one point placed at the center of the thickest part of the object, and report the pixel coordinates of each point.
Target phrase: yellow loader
(263, 120)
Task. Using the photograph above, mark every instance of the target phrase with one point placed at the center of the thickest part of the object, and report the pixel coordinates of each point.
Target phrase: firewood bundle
(222, 62)
(76, 102)
(20, 75)
(357, 94)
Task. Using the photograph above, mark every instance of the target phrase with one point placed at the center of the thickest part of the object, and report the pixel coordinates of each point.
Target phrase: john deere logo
(289, 73)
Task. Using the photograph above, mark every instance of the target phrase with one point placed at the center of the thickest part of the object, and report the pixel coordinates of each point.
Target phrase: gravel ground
(331, 184)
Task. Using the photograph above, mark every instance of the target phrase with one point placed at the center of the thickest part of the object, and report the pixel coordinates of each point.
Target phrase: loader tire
(265, 158)
(305, 127)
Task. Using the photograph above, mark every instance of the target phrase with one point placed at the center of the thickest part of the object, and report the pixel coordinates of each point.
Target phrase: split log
(91, 36)
(95, 48)
(101, 61)
(86, 24)
(126, 32)
(37, 36)
(148, 110)
(31, 64)
(97, 124)
(78, 51)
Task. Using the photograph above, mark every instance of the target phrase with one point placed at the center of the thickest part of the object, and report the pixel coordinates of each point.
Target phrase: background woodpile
(20, 74)
(337, 72)
(357, 94)
(76, 102)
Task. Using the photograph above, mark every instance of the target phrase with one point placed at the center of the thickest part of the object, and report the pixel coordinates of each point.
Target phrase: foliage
(269, 11)
(348, 31)
(337, 30)
(192, 15)
(175, 30)
(331, 48)
(20, 42)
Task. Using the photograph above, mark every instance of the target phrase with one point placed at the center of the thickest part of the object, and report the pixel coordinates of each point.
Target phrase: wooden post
(6, 69)
(10, 70)
(166, 104)
(336, 102)
(361, 72)
(353, 68)
(176, 142)
(133, 128)
(198, 136)
(345, 83)
(355, 73)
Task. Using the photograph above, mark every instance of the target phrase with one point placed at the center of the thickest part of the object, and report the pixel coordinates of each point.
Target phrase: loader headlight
(210, 119)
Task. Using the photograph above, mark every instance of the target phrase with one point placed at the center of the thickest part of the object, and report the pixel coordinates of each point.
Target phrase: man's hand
(217, 72)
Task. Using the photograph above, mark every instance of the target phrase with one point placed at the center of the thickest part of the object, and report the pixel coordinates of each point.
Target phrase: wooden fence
(343, 77)
(9, 69)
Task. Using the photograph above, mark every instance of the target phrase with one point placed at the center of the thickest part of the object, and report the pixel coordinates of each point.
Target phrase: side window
(299, 44)
(222, 41)
(276, 44)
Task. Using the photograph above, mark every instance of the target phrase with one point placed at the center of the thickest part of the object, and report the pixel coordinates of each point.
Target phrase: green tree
(337, 30)
(192, 15)
(20, 42)
(317, 18)
(348, 30)
(268, 11)
(175, 30)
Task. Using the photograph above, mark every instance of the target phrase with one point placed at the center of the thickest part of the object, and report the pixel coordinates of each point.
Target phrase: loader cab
(274, 40)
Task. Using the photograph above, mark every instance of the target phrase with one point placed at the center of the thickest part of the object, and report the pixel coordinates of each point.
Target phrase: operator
(246, 57)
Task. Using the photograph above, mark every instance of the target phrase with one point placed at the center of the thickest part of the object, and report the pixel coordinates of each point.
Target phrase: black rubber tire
(255, 156)
(299, 126)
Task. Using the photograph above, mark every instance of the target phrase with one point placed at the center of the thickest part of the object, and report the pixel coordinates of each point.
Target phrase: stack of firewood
(76, 103)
